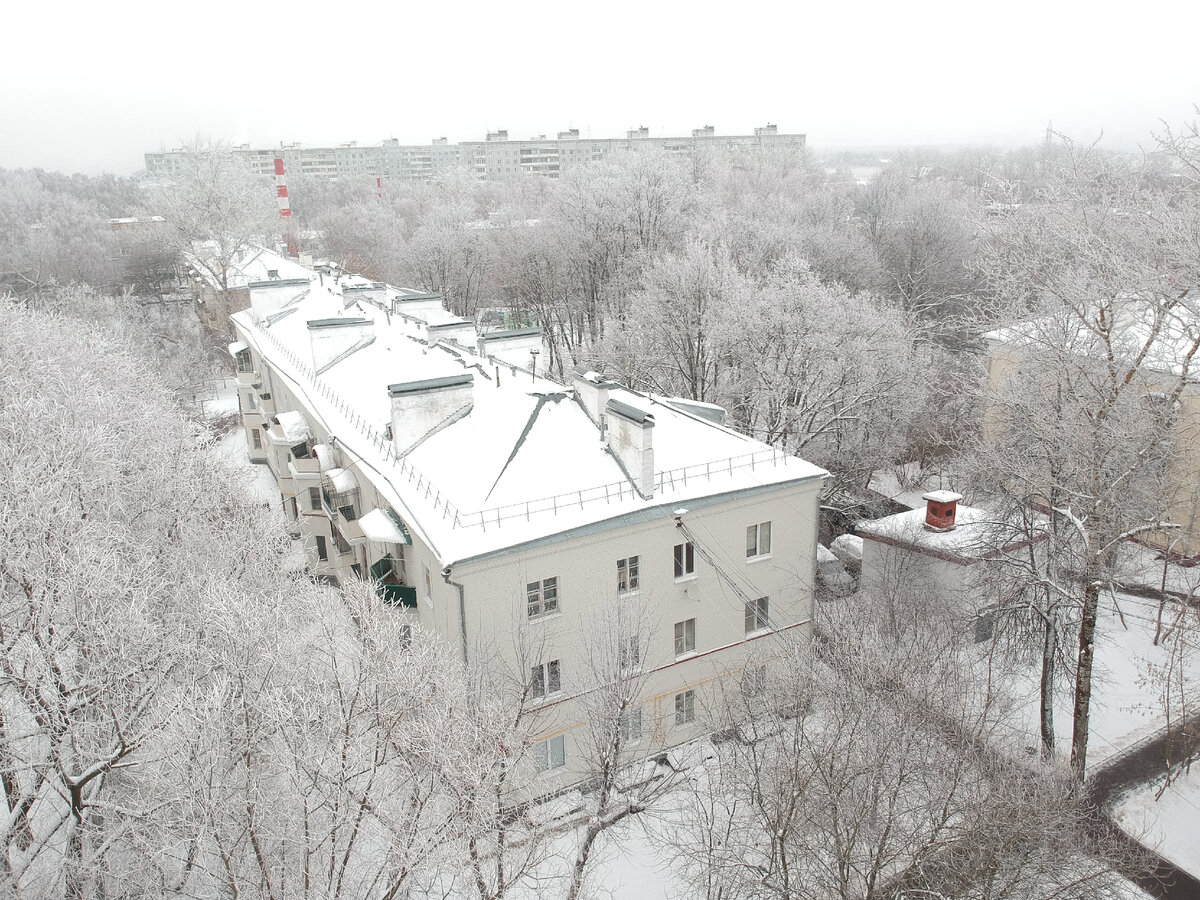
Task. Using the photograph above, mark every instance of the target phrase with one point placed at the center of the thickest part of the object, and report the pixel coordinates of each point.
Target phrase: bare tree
(1087, 380)
(214, 209)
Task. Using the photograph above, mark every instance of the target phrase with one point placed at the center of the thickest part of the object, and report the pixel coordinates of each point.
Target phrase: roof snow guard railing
(667, 480)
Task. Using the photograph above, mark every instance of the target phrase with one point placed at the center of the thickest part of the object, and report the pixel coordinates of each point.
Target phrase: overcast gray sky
(91, 87)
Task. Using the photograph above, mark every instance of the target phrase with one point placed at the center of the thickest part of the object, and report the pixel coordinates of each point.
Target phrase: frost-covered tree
(213, 209)
(51, 231)
(1102, 329)
(864, 770)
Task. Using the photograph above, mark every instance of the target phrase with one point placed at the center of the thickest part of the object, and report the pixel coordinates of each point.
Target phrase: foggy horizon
(861, 78)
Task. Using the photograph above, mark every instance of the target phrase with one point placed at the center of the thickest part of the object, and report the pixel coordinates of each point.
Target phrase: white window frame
(550, 754)
(545, 680)
(541, 598)
(758, 540)
(685, 707)
(684, 560)
(758, 614)
(629, 576)
(685, 637)
(629, 725)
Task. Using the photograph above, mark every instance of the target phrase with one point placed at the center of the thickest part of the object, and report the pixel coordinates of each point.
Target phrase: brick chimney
(941, 508)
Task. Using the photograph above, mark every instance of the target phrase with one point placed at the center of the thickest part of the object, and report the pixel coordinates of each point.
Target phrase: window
(685, 636)
(758, 614)
(541, 597)
(244, 362)
(627, 575)
(630, 725)
(551, 754)
(754, 680)
(629, 653)
(546, 679)
(758, 540)
(256, 438)
(428, 583)
(322, 550)
(685, 707)
(314, 499)
(685, 559)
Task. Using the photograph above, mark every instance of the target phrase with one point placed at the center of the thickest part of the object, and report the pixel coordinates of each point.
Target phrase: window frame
(758, 540)
(541, 598)
(545, 679)
(685, 707)
(544, 755)
(685, 637)
(684, 558)
(629, 724)
(629, 576)
(758, 615)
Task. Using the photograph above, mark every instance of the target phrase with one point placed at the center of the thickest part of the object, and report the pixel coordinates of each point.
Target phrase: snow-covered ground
(1170, 824)
(1126, 689)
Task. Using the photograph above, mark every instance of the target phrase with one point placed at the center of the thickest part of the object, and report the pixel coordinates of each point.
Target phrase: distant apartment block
(497, 158)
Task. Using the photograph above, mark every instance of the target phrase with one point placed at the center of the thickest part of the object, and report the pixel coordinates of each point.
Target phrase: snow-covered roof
(249, 265)
(977, 534)
(294, 426)
(343, 480)
(377, 525)
(1140, 324)
(237, 347)
(325, 456)
(521, 461)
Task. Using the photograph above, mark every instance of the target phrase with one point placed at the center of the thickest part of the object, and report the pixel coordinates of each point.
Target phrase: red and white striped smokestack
(285, 206)
(379, 186)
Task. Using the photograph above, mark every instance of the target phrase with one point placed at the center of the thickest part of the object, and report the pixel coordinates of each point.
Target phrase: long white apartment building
(524, 520)
(497, 158)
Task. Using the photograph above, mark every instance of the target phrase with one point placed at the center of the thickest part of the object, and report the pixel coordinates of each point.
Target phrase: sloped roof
(526, 462)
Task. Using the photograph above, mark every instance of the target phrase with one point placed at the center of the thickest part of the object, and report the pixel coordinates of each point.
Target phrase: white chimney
(631, 441)
(591, 390)
(268, 297)
(333, 339)
(420, 407)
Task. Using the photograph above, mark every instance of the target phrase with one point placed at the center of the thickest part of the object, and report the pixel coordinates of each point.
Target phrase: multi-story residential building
(521, 519)
(497, 158)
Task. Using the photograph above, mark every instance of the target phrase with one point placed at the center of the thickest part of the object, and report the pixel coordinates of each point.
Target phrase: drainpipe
(462, 609)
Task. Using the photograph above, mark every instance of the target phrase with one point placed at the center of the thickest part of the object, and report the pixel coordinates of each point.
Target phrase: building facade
(495, 159)
(539, 528)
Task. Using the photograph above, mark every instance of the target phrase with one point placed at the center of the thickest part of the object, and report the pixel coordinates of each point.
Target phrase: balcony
(305, 468)
(340, 509)
(390, 586)
(248, 379)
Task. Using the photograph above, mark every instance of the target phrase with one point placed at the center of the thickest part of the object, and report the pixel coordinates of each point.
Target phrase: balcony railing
(390, 587)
